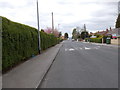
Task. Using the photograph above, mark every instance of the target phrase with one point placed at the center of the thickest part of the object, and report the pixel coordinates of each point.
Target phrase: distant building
(102, 32)
(84, 27)
(62, 37)
(114, 32)
(92, 34)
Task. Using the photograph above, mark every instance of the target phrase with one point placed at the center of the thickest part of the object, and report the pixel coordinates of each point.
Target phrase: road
(83, 65)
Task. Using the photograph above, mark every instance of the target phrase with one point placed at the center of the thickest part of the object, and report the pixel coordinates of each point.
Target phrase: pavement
(30, 73)
(111, 45)
(104, 44)
(83, 65)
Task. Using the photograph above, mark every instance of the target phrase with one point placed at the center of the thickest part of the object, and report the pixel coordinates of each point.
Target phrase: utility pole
(39, 47)
(85, 30)
(52, 23)
(84, 27)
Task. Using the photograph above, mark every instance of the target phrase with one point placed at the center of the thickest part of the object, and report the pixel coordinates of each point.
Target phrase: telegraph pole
(52, 23)
(84, 27)
(85, 30)
(39, 47)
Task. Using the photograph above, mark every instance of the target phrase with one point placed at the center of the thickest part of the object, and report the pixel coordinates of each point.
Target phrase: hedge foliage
(20, 42)
(118, 22)
(96, 40)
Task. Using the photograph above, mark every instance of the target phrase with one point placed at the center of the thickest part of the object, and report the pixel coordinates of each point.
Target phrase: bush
(96, 40)
(87, 39)
(104, 39)
(20, 42)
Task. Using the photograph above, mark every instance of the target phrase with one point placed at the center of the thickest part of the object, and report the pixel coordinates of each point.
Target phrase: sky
(68, 14)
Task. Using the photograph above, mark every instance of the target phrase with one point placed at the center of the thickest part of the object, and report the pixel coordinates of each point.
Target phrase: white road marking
(86, 48)
(71, 49)
(79, 48)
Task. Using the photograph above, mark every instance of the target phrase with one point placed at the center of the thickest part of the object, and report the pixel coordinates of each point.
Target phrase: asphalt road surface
(83, 65)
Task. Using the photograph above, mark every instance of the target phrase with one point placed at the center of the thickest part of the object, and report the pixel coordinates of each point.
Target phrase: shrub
(87, 39)
(96, 40)
(20, 42)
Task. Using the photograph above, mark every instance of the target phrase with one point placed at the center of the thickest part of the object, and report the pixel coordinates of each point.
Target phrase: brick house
(104, 33)
(114, 32)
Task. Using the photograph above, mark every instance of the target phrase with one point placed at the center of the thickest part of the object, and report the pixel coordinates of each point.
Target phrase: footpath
(103, 44)
(111, 45)
(30, 73)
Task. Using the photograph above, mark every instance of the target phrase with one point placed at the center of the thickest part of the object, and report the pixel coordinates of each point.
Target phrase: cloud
(6, 5)
(97, 15)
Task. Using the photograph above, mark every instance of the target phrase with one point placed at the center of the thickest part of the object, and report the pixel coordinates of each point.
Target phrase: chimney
(110, 29)
(107, 30)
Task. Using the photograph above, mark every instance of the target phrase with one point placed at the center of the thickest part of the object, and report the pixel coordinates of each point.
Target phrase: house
(115, 33)
(102, 32)
(92, 34)
(62, 37)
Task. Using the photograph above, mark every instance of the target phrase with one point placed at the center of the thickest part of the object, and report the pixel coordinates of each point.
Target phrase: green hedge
(96, 40)
(87, 39)
(48, 40)
(20, 42)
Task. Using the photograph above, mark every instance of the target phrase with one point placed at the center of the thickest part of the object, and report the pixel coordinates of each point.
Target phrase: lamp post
(39, 47)
(52, 23)
(85, 30)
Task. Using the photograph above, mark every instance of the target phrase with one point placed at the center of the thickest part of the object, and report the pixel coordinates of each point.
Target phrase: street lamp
(52, 23)
(39, 47)
(85, 30)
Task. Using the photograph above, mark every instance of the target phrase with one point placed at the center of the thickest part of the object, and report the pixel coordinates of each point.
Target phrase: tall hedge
(118, 22)
(20, 42)
(96, 40)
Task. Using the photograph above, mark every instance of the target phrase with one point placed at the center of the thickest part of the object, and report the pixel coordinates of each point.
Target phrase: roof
(114, 31)
(102, 32)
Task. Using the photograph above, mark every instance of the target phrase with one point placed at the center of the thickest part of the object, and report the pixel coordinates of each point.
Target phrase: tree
(60, 34)
(74, 34)
(66, 35)
(55, 32)
(78, 35)
(84, 34)
(42, 30)
(48, 30)
(118, 22)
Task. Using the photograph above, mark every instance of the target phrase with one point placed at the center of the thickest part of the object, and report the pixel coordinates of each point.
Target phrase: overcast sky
(96, 14)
